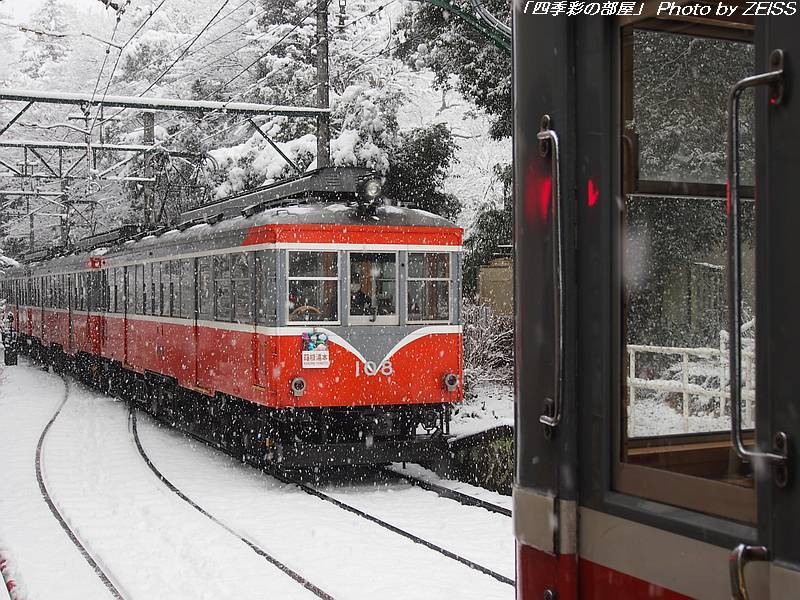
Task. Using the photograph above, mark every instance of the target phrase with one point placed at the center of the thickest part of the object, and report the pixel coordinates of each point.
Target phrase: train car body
(325, 326)
(655, 242)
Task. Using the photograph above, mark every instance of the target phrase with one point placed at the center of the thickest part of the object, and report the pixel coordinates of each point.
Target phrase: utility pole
(149, 139)
(65, 218)
(323, 100)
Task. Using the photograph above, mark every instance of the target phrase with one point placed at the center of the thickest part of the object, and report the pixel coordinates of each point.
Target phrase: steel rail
(325, 497)
(99, 571)
(450, 494)
(255, 548)
(394, 529)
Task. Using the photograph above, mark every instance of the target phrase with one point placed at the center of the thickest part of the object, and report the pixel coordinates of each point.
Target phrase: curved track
(364, 515)
(445, 492)
(104, 577)
(414, 538)
(258, 550)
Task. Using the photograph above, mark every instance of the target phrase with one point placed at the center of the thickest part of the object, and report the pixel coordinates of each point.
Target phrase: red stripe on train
(353, 234)
(538, 571)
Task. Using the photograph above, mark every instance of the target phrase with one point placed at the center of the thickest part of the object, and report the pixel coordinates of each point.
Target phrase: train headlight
(298, 386)
(451, 381)
(371, 188)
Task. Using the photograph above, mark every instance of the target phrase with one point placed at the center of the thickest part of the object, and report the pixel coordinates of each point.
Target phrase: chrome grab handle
(739, 558)
(774, 79)
(548, 144)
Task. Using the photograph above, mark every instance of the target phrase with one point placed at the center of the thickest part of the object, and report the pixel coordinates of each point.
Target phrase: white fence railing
(712, 366)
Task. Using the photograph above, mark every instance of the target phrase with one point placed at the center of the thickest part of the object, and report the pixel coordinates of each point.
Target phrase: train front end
(367, 356)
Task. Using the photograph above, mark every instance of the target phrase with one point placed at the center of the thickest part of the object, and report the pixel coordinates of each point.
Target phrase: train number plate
(370, 369)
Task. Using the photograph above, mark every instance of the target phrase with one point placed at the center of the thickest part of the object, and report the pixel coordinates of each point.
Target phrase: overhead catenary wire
(119, 56)
(182, 54)
(294, 28)
(261, 56)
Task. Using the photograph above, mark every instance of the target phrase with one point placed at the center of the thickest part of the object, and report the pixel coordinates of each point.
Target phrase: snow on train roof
(204, 235)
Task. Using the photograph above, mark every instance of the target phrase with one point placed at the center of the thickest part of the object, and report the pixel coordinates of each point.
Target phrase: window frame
(392, 319)
(288, 279)
(448, 279)
(728, 505)
(249, 317)
(633, 184)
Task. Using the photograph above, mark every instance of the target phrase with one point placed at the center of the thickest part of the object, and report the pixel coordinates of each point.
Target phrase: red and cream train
(307, 321)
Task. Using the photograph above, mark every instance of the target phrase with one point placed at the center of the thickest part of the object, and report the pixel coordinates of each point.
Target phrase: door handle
(549, 145)
(774, 79)
(738, 560)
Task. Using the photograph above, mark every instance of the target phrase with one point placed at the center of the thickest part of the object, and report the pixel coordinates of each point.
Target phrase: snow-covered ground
(154, 545)
(656, 417)
(452, 484)
(487, 406)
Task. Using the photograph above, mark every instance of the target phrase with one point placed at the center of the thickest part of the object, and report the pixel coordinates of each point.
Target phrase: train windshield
(313, 287)
(676, 413)
(373, 288)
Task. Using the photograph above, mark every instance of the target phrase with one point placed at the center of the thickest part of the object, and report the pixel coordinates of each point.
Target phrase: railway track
(312, 491)
(394, 529)
(250, 544)
(101, 573)
(445, 492)
(321, 495)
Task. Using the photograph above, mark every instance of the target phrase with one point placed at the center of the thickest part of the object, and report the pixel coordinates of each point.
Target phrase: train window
(240, 287)
(155, 288)
(675, 413)
(95, 302)
(222, 287)
(82, 292)
(313, 287)
(373, 288)
(187, 288)
(172, 289)
(119, 289)
(204, 298)
(428, 287)
(266, 287)
(138, 276)
(130, 294)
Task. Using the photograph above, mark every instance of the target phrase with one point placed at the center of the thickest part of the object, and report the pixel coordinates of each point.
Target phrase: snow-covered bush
(488, 346)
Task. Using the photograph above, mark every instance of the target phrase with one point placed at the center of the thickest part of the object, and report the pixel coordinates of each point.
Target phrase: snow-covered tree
(43, 52)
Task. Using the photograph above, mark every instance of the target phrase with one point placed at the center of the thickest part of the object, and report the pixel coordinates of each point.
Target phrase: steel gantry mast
(33, 166)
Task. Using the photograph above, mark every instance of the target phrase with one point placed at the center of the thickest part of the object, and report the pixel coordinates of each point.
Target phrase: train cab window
(428, 287)
(266, 287)
(240, 287)
(675, 411)
(222, 287)
(373, 288)
(313, 290)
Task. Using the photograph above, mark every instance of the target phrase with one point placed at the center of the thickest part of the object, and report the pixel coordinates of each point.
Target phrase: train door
(204, 341)
(778, 151)
(71, 299)
(656, 427)
(126, 308)
(265, 294)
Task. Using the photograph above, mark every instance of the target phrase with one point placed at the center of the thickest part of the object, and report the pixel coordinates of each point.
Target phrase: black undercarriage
(285, 438)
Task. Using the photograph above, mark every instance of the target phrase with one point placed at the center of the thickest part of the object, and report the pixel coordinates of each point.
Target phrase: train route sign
(316, 359)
